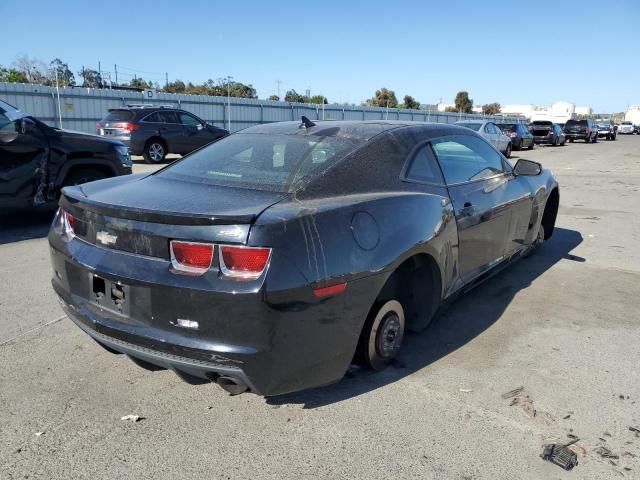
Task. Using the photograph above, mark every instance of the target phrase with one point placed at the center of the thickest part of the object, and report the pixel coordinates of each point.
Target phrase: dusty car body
(271, 259)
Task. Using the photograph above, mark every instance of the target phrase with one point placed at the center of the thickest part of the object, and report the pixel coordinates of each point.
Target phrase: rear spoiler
(73, 200)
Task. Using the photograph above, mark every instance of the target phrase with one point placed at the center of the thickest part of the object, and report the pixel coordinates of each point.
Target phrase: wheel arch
(550, 212)
(418, 270)
(72, 166)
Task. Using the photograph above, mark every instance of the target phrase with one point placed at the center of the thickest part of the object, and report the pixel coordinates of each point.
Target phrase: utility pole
(229, 101)
(278, 82)
(115, 67)
(166, 81)
(99, 75)
(58, 92)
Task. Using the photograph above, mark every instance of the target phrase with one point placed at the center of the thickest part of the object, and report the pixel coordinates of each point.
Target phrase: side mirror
(10, 131)
(527, 168)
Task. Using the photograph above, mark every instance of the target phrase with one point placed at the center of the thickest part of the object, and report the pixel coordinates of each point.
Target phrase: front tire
(382, 335)
(155, 151)
(507, 152)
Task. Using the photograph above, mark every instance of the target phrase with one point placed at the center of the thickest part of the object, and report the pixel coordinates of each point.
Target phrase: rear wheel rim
(386, 335)
(156, 152)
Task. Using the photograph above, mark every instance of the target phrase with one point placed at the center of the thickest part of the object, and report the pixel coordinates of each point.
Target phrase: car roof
(479, 120)
(356, 129)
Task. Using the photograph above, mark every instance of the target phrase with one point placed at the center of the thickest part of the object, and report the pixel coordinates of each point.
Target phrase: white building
(443, 106)
(633, 114)
(584, 110)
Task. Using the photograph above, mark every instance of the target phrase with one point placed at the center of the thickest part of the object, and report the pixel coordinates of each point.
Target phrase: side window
(423, 167)
(488, 129)
(465, 159)
(187, 119)
(153, 118)
(168, 117)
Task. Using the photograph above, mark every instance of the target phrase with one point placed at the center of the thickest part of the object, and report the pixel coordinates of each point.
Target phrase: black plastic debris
(560, 455)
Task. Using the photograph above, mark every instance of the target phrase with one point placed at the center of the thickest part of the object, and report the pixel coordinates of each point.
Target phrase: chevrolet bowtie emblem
(106, 238)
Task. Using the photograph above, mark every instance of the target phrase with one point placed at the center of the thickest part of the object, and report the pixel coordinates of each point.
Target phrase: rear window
(508, 127)
(573, 123)
(119, 116)
(627, 123)
(281, 163)
(472, 126)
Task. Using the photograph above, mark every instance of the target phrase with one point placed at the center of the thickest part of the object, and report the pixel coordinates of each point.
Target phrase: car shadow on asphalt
(465, 319)
(26, 225)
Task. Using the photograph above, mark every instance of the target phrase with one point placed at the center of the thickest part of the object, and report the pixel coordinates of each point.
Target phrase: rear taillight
(513, 134)
(64, 224)
(243, 263)
(550, 133)
(98, 126)
(129, 127)
(70, 221)
(191, 258)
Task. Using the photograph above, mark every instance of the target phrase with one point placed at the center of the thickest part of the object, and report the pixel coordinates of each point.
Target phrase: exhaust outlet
(231, 385)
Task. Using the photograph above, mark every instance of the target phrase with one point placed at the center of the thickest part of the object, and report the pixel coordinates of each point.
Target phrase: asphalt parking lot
(563, 324)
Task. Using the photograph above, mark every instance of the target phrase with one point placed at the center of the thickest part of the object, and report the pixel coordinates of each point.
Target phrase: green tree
(463, 103)
(64, 75)
(175, 87)
(274, 98)
(140, 83)
(491, 108)
(318, 99)
(90, 78)
(11, 75)
(383, 98)
(451, 109)
(294, 97)
(410, 102)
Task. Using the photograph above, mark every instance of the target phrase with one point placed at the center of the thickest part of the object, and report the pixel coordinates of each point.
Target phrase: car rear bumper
(273, 345)
(576, 136)
(546, 140)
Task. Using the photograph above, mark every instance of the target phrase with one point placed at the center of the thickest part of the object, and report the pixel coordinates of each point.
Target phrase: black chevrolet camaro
(272, 259)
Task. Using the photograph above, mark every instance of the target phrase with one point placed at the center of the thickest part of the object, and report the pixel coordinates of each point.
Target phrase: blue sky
(586, 52)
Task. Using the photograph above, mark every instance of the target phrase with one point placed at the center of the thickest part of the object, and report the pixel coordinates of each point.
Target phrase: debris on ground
(39, 434)
(513, 393)
(604, 452)
(521, 398)
(577, 449)
(635, 430)
(466, 390)
(132, 418)
(546, 417)
(566, 417)
(560, 455)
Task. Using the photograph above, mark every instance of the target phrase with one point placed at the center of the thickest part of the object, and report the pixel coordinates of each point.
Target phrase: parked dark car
(155, 132)
(36, 160)
(586, 130)
(272, 258)
(546, 132)
(520, 135)
(607, 129)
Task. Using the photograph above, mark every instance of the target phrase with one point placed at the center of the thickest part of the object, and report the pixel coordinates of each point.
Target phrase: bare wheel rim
(387, 333)
(156, 152)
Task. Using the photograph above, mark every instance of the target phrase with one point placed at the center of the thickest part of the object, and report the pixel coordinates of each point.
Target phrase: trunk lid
(142, 215)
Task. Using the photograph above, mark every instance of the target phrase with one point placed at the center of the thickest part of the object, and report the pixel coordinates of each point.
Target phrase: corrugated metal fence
(81, 108)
